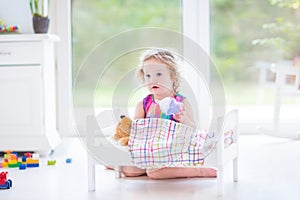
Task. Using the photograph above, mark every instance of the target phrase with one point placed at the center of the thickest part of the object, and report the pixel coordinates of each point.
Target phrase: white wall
(16, 12)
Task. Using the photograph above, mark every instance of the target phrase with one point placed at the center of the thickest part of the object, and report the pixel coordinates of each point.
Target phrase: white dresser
(28, 120)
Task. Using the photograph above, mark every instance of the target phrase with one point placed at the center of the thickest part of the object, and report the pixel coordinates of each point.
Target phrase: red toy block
(28, 155)
(4, 183)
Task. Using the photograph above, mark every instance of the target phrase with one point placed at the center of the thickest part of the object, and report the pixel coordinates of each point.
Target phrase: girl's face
(158, 78)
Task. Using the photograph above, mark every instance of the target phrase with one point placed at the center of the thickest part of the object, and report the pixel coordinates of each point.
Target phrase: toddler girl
(159, 73)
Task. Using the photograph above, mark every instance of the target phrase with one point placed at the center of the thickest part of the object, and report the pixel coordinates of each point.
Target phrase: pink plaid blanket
(157, 143)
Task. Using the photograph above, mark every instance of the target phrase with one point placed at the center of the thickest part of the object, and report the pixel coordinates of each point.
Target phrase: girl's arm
(139, 111)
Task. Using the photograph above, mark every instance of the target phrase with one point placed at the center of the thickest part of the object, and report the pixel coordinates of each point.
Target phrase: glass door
(95, 22)
(249, 39)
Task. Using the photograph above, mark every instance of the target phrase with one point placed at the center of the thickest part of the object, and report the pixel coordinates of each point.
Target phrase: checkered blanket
(157, 143)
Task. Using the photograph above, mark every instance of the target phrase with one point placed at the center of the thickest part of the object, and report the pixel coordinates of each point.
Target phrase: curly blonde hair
(164, 56)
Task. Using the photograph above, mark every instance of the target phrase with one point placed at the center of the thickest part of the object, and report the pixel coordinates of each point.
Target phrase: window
(109, 18)
(246, 38)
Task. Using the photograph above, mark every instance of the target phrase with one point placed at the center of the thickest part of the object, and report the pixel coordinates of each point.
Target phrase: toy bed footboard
(226, 149)
(224, 152)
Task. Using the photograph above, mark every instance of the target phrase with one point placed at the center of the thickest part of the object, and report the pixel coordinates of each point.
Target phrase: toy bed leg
(235, 169)
(118, 171)
(91, 127)
(220, 180)
(91, 173)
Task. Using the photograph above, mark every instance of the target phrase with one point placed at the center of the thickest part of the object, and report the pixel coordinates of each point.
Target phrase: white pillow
(108, 131)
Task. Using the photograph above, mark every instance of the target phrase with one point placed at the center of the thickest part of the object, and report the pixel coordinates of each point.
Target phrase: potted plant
(39, 11)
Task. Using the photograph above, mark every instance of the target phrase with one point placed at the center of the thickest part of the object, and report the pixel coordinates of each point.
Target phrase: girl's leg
(180, 172)
(131, 171)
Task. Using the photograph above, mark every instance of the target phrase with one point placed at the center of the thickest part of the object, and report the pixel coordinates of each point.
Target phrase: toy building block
(22, 167)
(32, 162)
(51, 162)
(28, 155)
(33, 165)
(69, 160)
(6, 157)
(15, 154)
(12, 157)
(24, 159)
(5, 164)
(8, 151)
(35, 156)
(13, 165)
(4, 182)
(12, 160)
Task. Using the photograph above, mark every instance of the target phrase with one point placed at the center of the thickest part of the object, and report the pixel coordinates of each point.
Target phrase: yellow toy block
(32, 161)
(12, 162)
(4, 164)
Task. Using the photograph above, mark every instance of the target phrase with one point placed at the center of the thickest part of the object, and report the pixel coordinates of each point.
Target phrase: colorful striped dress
(152, 108)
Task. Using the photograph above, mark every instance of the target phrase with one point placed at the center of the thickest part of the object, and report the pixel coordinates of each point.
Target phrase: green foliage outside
(242, 33)
(94, 21)
(234, 25)
(97, 20)
(284, 30)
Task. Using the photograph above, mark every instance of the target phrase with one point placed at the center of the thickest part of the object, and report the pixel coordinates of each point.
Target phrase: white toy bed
(103, 148)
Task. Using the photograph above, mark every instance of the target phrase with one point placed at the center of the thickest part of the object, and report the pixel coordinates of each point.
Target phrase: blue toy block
(33, 165)
(15, 154)
(22, 167)
(6, 185)
(69, 160)
(4, 182)
(24, 159)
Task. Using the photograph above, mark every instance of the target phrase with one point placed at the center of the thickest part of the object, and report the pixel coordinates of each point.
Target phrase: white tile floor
(268, 169)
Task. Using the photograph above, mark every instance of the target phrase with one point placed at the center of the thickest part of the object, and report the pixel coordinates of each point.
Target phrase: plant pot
(40, 24)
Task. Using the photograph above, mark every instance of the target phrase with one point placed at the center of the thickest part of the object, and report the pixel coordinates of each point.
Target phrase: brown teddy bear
(123, 130)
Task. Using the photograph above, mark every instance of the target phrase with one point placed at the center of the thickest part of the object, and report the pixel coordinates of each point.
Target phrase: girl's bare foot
(207, 172)
(131, 171)
(109, 167)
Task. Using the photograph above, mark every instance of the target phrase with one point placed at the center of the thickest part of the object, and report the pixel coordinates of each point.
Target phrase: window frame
(195, 24)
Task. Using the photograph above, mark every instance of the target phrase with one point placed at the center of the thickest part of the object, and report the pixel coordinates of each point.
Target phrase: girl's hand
(185, 116)
(179, 117)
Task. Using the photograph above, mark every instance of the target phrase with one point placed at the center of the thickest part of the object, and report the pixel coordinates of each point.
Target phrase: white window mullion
(60, 18)
(196, 26)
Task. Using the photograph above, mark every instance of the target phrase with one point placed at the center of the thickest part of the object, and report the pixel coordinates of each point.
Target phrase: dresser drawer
(21, 53)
